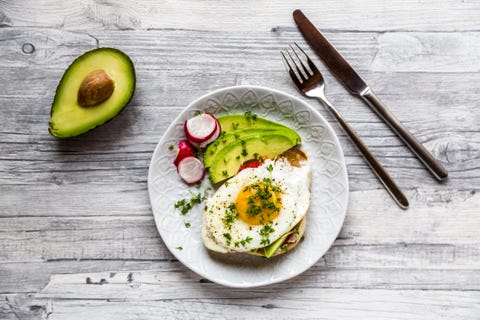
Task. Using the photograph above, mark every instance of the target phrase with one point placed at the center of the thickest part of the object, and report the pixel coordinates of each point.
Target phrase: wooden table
(77, 236)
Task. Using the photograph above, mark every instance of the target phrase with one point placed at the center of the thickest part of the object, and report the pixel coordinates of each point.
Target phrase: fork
(310, 82)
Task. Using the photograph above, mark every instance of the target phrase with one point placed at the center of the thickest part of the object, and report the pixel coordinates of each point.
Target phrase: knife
(356, 86)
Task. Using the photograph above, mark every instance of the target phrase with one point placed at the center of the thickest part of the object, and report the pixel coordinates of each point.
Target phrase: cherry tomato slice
(251, 164)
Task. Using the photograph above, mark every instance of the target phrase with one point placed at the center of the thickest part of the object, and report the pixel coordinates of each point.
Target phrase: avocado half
(93, 90)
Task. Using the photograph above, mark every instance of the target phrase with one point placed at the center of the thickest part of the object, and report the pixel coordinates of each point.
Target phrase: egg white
(294, 183)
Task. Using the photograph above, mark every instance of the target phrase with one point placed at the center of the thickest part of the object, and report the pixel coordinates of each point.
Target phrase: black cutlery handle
(432, 164)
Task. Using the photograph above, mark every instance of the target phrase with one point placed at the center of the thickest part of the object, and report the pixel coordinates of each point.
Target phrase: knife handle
(432, 164)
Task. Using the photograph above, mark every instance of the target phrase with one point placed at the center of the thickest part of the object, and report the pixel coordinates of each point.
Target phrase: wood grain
(239, 15)
(335, 304)
(77, 236)
(454, 141)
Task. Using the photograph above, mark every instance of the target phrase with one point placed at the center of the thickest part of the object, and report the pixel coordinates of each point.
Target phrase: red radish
(252, 164)
(191, 170)
(215, 136)
(200, 128)
(184, 149)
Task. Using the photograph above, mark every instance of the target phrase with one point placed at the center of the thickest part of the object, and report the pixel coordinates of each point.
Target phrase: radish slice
(184, 149)
(215, 136)
(191, 170)
(200, 128)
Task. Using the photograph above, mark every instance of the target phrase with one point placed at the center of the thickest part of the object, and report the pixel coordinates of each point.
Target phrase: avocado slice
(228, 137)
(233, 122)
(271, 249)
(267, 145)
(93, 90)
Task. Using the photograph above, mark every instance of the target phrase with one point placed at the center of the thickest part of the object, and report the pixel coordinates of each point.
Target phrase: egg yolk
(259, 203)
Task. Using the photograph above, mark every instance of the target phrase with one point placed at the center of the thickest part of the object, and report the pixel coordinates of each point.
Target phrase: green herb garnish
(250, 116)
(243, 242)
(186, 205)
(262, 200)
(265, 233)
(231, 215)
(228, 237)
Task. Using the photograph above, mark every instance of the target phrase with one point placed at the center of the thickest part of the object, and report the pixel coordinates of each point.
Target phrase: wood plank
(237, 15)
(166, 50)
(436, 52)
(66, 197)
(380, 52)
(434, 245)
(21, 277)
(26, 47)
(99, 238)
(310, 303)
(352, 275)
(154, 284)
(338, 304)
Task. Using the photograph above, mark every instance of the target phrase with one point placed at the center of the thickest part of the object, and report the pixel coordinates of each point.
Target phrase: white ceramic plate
(329, 190)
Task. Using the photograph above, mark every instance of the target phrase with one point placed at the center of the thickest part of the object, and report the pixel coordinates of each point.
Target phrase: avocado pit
(95, 88)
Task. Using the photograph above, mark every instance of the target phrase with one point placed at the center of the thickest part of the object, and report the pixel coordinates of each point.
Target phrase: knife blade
(356, 86)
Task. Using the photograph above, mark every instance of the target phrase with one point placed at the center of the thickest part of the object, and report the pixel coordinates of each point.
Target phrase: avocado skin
(63, 83)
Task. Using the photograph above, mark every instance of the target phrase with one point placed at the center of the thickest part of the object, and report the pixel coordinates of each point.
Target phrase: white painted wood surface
(77, 237)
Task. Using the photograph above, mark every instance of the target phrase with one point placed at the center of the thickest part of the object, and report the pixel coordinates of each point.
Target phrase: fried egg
(257, 206)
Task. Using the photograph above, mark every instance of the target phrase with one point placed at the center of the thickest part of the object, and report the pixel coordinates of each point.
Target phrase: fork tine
(285, 62)
(300, 73)
(309, 61)
(289, 68)
(304, 67)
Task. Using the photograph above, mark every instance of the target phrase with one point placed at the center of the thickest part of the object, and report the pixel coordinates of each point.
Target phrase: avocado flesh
(68, 118)
(228, 137)
(233, 122)
(231, 157)
(271, 249)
